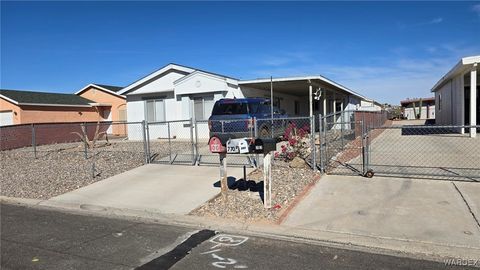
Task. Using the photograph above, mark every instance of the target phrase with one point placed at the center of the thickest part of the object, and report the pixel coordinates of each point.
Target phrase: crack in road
(468, 206)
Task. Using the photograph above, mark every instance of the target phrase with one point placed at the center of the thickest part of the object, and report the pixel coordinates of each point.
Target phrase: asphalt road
(43, 239)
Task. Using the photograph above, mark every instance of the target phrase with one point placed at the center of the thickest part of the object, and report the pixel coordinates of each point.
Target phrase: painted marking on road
(228, 240)
(225, 240)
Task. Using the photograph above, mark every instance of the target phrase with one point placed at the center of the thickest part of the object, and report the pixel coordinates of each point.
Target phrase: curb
(371, 244)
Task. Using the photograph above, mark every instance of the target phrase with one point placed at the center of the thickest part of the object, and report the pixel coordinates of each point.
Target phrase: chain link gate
(426, 152)
(353, 143)
(171, 142)
(342, 144)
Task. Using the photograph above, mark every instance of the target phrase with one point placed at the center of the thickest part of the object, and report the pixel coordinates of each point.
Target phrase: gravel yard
(60, 168)
(245, 198)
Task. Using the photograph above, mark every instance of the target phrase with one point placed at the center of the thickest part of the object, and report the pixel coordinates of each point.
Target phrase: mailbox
(215, 145)
(265, 146)
(238, 146)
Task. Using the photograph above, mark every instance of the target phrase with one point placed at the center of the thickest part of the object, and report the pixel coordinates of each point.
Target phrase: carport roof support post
(310, 93)
(473, 101)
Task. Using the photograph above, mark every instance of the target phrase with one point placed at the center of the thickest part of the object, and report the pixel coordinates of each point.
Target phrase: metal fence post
(85, 144)
(144, 136)
(321, 141)
(255, 136)
(367, 151)
(326, 158)
(169, 143)
(34, 143)
(314, 148)
(342, 130)
(196, 140)
(364, 155)
(193, 143)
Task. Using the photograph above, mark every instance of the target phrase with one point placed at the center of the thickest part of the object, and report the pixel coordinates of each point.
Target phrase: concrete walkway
(411, 211)
(167, 189)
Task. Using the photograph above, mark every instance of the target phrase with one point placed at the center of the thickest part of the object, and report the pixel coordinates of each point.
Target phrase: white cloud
(476, 9)
(436, 21)
(389, 79)
(402, 25)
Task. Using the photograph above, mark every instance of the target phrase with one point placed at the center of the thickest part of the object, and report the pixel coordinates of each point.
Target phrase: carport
(319, 94)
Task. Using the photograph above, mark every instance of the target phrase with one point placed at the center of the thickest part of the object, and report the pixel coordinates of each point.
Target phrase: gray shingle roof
(109, 87)
(30, 97)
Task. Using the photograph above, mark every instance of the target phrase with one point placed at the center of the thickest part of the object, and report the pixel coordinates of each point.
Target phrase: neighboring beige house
(113, 106)
(93, 103)
(26, 107)
(418, 108)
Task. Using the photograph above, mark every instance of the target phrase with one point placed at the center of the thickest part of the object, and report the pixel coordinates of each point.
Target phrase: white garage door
(6, 118)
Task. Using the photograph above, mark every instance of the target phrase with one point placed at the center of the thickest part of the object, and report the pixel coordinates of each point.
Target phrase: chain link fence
(362, 143)
(343, 142)
(234, 128)
(49, 159)
(428, 152)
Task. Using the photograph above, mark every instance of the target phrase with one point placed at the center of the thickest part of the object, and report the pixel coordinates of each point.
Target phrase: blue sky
(385, 50)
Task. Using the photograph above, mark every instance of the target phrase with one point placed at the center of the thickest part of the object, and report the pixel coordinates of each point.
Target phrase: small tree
(84, 134)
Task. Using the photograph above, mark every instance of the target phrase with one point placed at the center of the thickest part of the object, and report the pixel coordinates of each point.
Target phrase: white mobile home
(177, 92)
(456, 95)
(418, 108)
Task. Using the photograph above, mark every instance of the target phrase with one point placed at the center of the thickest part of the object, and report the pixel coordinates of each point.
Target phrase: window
(439, 102)
(155, 110)
(202, 107)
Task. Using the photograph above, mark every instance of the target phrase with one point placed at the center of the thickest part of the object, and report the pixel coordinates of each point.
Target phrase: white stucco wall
(410, 114)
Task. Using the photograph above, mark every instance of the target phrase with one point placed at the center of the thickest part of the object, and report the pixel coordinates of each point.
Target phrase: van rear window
(230, 108)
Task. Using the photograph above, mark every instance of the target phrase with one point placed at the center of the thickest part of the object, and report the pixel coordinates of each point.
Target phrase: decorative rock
(297, 163)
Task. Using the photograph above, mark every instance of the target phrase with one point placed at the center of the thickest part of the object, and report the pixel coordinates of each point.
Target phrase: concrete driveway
(416, 153)
(405, 210)
(167, 189)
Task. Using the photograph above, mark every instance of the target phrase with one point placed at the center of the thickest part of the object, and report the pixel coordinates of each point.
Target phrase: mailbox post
(215, 145)
(265, 147)
(246, 146)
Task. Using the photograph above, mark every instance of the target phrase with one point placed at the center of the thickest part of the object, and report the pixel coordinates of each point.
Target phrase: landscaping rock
(60, 168)
(246, 203)
(298, 163)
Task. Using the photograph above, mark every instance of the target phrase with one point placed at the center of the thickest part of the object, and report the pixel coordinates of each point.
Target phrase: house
(177, 92)
(456, 95)
(26, 107)
(95, 102)
(113, 106)
(418, 108)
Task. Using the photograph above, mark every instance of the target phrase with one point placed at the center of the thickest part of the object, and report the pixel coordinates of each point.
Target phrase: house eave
(459, 68)
(100, 88)
(53, 105)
